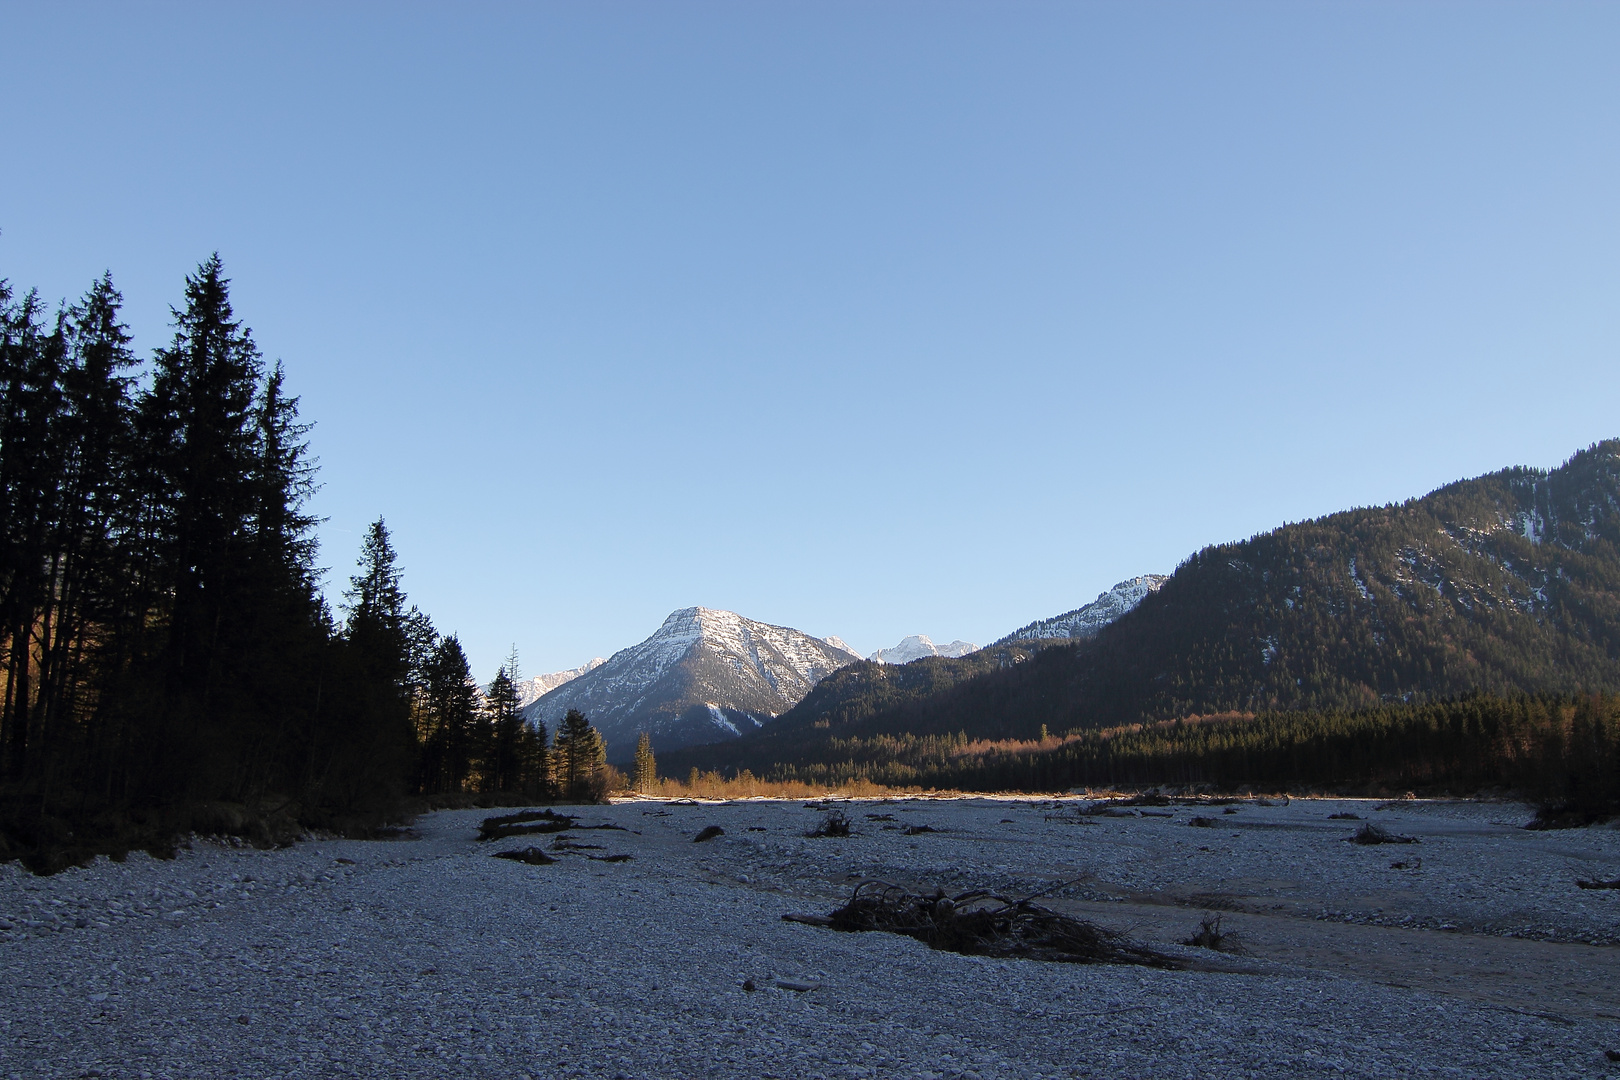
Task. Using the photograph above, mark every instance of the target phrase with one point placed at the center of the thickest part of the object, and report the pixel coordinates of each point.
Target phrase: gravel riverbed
(1476, 956)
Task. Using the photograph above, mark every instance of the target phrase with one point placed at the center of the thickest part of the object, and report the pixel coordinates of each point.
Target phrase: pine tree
(580, 755)
(451, 744)
(506, 730)
(32, 365)
(202, 448)
(371, 749)
(646, 769)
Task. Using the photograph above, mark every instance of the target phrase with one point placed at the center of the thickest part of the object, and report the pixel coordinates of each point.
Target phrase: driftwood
(1377, 834)
(981, 923)
(524, 823)
(1599, 884)
(533, 856)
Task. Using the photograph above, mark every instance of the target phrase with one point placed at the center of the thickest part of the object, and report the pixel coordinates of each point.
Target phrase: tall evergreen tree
(645, 777)
(451, 743)
(32, 366)
(579, 757)
(505, 772)
(369, 754)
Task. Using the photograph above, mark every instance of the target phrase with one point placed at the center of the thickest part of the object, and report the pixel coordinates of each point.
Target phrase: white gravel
(427, 957)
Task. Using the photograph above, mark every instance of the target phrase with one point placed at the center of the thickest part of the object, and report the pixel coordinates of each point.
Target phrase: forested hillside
(1503, 584)
(167, 659)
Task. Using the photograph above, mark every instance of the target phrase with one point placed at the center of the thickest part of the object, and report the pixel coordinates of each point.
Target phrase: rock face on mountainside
(703, 677)
(533, 689)
(918, 646)
(1084, 622)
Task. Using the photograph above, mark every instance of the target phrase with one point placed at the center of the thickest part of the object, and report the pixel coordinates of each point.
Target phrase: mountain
(704, 676)
(1507, 583)
(532, 689)
(852, 695)
(918, 646)
(1084, 622)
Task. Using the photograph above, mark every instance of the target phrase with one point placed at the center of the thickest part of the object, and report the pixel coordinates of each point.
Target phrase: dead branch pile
(1377, 834)
(981, 923)
(834, 824)
(524, 823)
(1210, 935)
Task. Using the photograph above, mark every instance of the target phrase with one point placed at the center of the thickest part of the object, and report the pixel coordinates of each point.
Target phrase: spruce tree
(506, 731)
(580, 755)
(451, 745)
(371, 748)
(646, 769)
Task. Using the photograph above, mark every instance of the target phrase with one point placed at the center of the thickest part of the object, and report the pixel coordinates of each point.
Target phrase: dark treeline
(1563, 752)
(167, 653)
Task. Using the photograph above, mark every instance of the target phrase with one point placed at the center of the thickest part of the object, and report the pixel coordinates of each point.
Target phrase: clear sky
(869, 319)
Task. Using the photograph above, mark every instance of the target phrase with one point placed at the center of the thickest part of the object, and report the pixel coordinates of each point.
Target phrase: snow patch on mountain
(533, 689)
(1086, 621)
(918, 646)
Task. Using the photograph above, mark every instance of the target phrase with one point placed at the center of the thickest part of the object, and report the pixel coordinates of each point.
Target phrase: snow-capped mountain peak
(918, 646)
(705, 674)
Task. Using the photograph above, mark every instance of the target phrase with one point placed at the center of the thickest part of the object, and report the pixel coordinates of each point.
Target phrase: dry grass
(746, 785)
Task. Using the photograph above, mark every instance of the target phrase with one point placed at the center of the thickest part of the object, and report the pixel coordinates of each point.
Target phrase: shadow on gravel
(980, 923)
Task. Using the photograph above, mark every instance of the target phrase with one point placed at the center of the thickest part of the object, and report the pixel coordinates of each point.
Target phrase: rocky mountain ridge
(1085, 622)
(532, 689)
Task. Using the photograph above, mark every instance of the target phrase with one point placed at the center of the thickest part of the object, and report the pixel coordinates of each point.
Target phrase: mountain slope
(1085, 622)
(704, 676)
(1505, 583)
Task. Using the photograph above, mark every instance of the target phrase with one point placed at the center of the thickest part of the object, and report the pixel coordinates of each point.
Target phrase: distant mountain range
(532, 689)
(709, 676)
(703, 676)
(1505, 583)
(918, 646)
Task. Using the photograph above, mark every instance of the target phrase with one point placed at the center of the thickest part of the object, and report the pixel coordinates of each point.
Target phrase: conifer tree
(505, 771)
(580, 756)
(645, 777)
(371, 750)
(451, 744)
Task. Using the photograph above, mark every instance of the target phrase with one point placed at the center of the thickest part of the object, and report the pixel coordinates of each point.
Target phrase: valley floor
(426, 957)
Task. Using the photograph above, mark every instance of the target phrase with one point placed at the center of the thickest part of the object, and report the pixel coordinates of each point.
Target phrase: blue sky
(869, 319)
